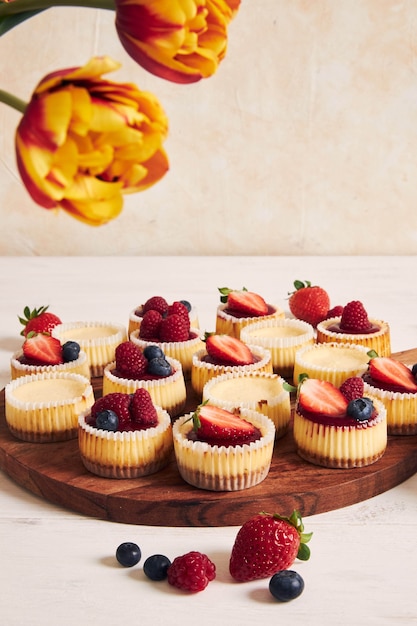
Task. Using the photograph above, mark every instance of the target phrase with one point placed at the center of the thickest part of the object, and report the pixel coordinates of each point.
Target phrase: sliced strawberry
(228, 349)
(244, 301)
(218, 426)
(321, 397)
(388, 370)
(43, 349)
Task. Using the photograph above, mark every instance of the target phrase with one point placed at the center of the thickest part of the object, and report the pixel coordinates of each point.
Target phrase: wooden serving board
(54, 472)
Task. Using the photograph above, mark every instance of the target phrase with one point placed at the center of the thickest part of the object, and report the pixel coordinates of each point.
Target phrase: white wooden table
(58, 567)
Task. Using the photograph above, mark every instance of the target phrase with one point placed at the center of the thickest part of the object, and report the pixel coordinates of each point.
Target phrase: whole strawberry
(191, 572)
(38, 320)
(266, 544)
(308, 302)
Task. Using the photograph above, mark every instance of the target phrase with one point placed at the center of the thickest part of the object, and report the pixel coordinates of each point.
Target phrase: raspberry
(336, 311)
(149, 327)
(180, 309)
(130, 361)
(156, 303)
(354, 317)
(352, 388)
(142, 410)
(174, 328)
(117, 402)
(191, 572)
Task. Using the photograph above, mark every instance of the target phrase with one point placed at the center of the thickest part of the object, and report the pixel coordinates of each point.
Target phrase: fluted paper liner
(401, 410)
(79, 366)
(334, 362)
(380, 341)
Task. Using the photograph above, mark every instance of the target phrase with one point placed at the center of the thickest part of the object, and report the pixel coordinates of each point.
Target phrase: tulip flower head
(84, 141)
(180, 40)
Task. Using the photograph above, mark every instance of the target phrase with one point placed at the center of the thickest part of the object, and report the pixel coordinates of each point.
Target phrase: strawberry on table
(244, 301)
(41, 348)
(227, 349)
(38, 320)
(308, 302)
(266, 544)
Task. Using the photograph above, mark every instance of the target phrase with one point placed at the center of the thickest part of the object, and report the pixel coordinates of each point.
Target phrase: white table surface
(58, 567)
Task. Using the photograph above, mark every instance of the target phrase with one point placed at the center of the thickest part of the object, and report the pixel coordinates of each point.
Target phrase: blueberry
(156, 567)
(107, 420)
(153, 352)
(286, 585)
(414, 370)
(159, 367)
(186, 304)
(360, 409)
(128, 554)
(70, 351)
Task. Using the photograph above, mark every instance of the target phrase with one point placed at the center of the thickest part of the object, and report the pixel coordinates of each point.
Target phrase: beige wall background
(304, 142)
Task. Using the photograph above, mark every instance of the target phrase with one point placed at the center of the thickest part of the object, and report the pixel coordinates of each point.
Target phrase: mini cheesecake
(282, 337)
(45, 407)
(257, 391)
(98, 339)
(224, 466)
(334, 362)
(377, 338)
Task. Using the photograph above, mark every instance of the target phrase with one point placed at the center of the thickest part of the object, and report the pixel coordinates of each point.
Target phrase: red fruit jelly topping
(242, 314)
(335, 328)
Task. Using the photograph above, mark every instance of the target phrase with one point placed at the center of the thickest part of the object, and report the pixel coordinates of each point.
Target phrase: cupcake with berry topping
(161, 305)
(354, 326)
(44, 408)
(98, 339)
(41, 353)
(218, 450)
(151, 369)
(224, 353)
(395, 385)
(283, 338)
(257, 391)
(240, 307)
(172, 332)
(125, 436)
(331, 361)
(339, 427)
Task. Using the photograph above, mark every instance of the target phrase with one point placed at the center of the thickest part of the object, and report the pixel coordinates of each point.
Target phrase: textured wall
(304, 142)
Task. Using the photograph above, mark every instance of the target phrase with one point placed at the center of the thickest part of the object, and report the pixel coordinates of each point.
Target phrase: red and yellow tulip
(83, 142)
(180, 40)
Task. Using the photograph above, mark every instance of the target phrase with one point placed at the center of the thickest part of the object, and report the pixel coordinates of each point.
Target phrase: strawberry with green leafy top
(266, 544)
(244, 301)
(392, 372)
(38, 320)
(217, 426)
(42, 349)
(228, 350)
(322, 397)
(308, 302)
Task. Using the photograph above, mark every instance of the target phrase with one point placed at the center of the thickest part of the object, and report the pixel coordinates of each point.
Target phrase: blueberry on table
(107, 420)
(156, 567)
(153, 352)
(286, 585)
(128, 554)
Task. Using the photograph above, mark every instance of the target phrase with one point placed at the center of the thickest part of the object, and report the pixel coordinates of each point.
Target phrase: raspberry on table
(191, 572)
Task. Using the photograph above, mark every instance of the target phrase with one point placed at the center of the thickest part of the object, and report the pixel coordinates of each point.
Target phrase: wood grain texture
(54, 471)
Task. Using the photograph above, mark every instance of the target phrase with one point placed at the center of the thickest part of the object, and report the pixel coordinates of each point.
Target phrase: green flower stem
(12, 101)
(21, 6)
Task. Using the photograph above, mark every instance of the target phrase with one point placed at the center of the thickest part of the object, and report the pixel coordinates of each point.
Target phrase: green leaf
(303, 552)
(10, 21)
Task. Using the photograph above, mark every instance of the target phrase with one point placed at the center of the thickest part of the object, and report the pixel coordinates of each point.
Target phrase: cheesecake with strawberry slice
(395, 385)
(220, 450)
(240, 307)
(336, 429)
(224, 353)
(355, 326)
